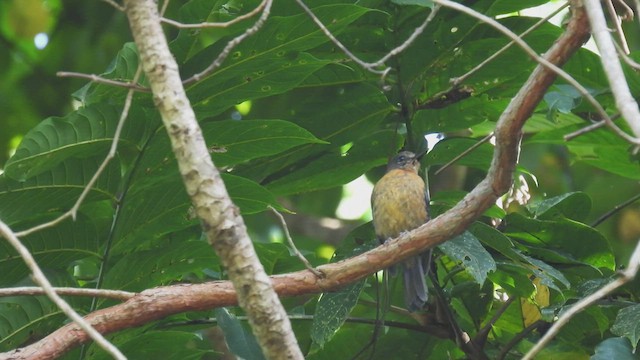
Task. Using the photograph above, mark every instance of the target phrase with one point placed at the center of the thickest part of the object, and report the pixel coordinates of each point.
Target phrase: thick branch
(220, 218)
(160, 302)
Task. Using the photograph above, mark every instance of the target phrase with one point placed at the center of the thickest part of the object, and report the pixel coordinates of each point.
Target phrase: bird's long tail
(415, 289)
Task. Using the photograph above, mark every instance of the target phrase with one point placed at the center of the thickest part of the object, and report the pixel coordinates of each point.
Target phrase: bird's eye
(401, 159)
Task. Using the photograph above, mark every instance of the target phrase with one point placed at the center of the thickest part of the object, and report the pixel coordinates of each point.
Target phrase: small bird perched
(399, 202)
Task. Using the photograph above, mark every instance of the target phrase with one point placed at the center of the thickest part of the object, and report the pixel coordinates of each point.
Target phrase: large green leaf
(56, 190)
(267, 63)
(165, 344)
(160, 266)
(447, 149)
(85, 133)
(356, 111)
(53, 248)
(26, 318)
(574, 206)
(627, 324)
(600, 148)
(240, 339)
(562, 241)
(233, 142)
(335, 169)
(467, 250)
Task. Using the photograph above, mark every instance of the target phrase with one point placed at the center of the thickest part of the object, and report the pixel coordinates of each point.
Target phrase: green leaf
(160, 266)
(615, 348)
(232, 142)
(574, 206)
(514, 278)
(240, 340)
(165, 344)
(53, 248)
(627, 324)
(24, 318)
(467, 250)
(562, 241)
(333, 308)
(356, 112)
(600, 148)
(335, 169)
(56, 190)
(447, 149)
(85, 133)
(123, 68)
(502, 244)
(423, 3)
(267, 63)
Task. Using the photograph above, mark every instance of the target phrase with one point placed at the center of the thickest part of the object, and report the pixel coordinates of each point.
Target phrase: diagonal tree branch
(160, 302)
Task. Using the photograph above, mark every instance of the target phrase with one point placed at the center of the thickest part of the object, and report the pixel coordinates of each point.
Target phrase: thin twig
(112, 152)
(589, 128)
(371, 67)
(464, 153)
(625, 276)
(458, 80)
(115, 5)
(629, 61)
(481, 336)
(613, 69)
(231, 44)
(516, 339)
(542, 61)
(40, 279)
(99, 79)
(584, 130)
(304, 260)
(616, 208)
(68, 291)
(225, 24)
(626, 10)
(163, 10)
(618, 24)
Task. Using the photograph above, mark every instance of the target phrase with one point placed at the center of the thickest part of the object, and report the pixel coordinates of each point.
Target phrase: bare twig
(374, 66)
(481, 336)
(458, 80)
(629, 61)
(618, 24)
(612, 68)
(625, 276)
(115, 5)
(617, 208)
(304, 260)
(231, 44)
(98, 79)
(584, 130)
(516, 339)
(112, 153)
(40, 279)
(591, 127)
(568, 78)
(225, 24)
(68, 291)
(464, 153)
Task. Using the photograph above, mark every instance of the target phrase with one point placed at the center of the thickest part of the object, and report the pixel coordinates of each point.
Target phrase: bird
(399, 203)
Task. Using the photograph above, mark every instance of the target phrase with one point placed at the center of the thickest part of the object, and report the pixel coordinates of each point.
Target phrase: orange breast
(398, 203)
